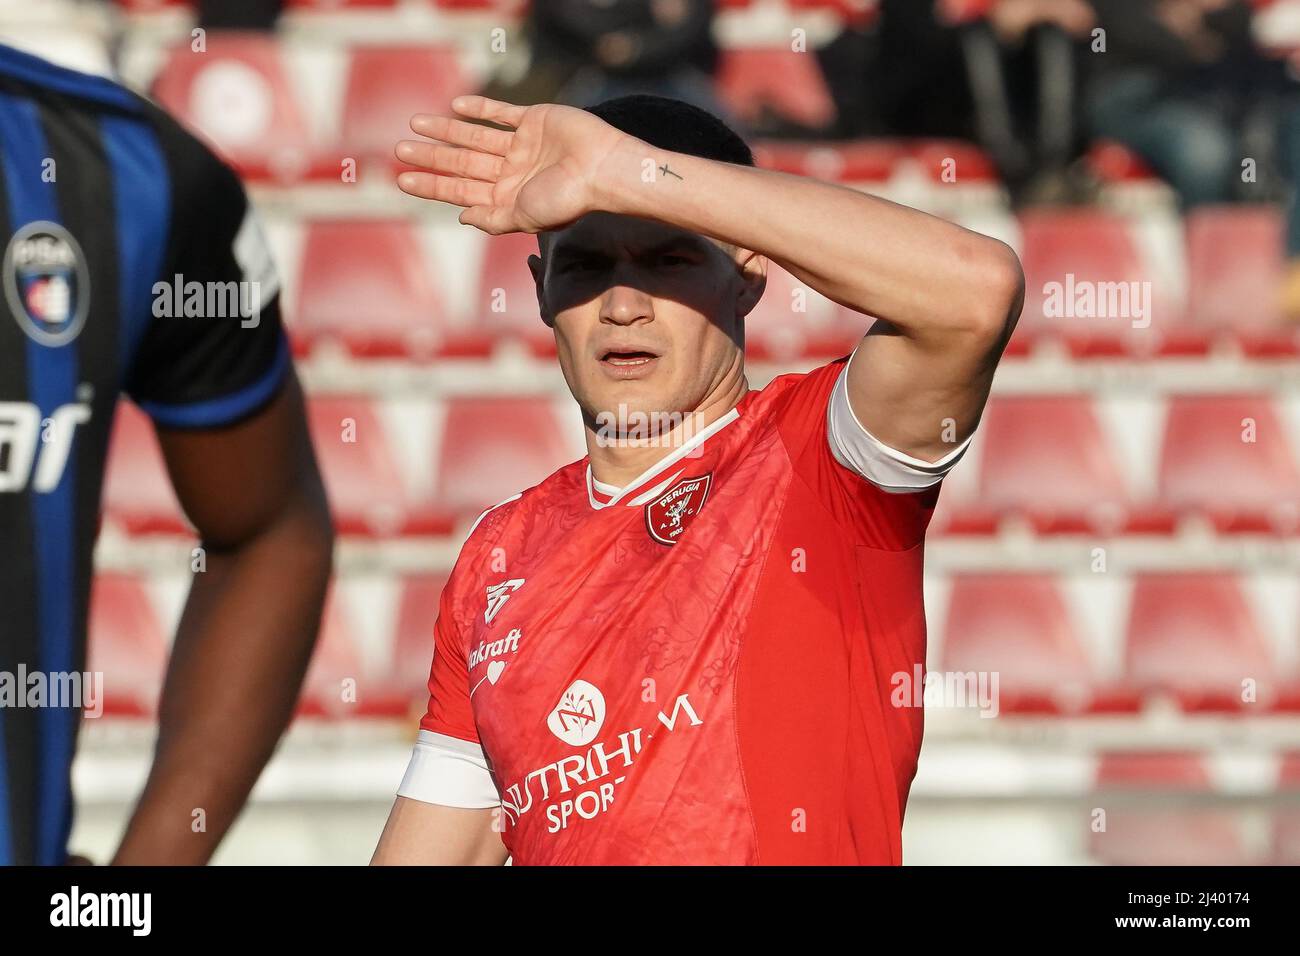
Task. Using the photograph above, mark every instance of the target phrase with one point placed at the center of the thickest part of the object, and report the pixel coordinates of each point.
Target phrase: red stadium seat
(1114, 162)
(387, 85)
(329, 6)
(1046, 459)
(777, 79)
(1152, 771)
(1086, 261)
(368, 285)
(1017, 625)
(506, 307)
(138, 494)
(406, 686)
(1235, 272)
(493, 448)
(869, 160)
(361, 473)
(335, 686)
(153, 6)
(965, 162)
(1142, 832)
(792, 320)
(856, 12)
(126, 645)
(963, 11)
(507, 8)
(1193, 636)
(1209, 465)
(877, 160)
(237, 95)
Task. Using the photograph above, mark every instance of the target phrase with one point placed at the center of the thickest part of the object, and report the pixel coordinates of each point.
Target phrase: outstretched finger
(496, 111)
(449, 189)
(483, 139)
(439, 158)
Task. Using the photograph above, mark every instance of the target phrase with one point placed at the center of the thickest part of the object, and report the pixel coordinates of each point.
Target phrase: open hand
(540, 174)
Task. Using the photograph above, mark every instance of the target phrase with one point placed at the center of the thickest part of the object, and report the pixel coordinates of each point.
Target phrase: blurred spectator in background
(999, 72)
(899, 74)
(586, 51)
(1183, 84)
(1021, 62)
(239, 14)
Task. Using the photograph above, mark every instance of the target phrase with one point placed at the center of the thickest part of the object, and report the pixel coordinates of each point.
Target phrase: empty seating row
(331, 6)
(848, 9)
(394, 467)
(1196, 639)
(1110, 643)
(388, 470)
(372, 288)
(351, 678)
(1059, 464)
(1093, 287)
(1151, 817)
(239, 92)
(377, 288)
(130, 633)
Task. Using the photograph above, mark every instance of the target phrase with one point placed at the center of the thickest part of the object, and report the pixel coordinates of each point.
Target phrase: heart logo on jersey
(669, 515)
(494, 671)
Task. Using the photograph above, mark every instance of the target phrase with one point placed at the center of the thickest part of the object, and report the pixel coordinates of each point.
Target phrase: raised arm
(945, 298)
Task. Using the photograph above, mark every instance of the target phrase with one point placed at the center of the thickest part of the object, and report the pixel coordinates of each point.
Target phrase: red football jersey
(696, 668)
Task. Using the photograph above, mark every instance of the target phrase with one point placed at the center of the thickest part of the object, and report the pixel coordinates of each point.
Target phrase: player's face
(646, 316)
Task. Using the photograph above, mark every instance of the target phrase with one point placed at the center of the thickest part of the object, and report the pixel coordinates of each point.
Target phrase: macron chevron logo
(497, 595)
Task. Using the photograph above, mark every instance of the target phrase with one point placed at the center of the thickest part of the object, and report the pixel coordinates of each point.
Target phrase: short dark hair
(674, 125)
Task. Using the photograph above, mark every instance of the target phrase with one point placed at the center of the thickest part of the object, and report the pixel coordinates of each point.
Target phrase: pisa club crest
(672, 513)
(47, 283)
(578, 717)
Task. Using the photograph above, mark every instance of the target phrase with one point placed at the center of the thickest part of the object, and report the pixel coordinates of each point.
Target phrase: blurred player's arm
(246, 635)
(229, 415)
(945, 299)
(426, 834)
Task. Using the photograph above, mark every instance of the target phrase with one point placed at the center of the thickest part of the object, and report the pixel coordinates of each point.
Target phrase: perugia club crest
(47, 283)
(672, 513)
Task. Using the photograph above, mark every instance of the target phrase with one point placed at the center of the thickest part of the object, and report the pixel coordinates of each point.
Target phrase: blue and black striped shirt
(102, 197)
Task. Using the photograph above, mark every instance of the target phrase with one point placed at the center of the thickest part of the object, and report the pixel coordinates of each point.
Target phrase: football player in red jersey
(686, 647)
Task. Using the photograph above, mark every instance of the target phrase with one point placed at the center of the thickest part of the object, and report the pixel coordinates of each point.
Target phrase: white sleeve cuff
(450, 772)
(858, 450)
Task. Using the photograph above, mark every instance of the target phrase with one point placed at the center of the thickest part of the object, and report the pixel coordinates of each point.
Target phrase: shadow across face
(646, 315)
